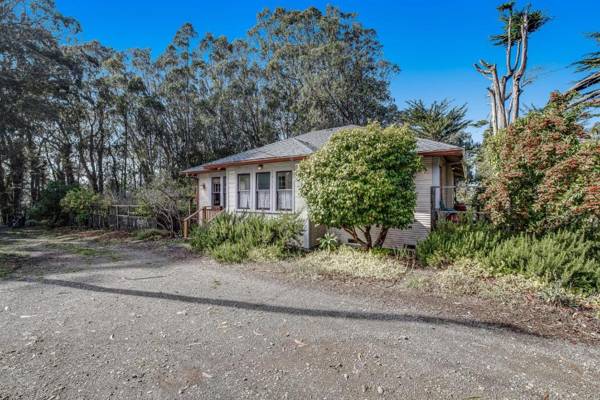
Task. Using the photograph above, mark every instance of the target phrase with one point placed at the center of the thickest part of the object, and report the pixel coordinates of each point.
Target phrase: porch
(453, 203)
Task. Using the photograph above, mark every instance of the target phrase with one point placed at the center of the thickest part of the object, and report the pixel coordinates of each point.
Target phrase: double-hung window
(216, 192)
(263, 190)
(243, 191)
(284, 190)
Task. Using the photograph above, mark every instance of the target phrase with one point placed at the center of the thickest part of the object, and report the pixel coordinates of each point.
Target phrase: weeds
(347, 261)
(152, 234)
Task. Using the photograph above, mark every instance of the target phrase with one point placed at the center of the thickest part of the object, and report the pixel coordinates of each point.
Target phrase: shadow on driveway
(244, 305)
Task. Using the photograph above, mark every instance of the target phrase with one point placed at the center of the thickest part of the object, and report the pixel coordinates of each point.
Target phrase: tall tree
(35, 78)
(324, 69)
(505, 91)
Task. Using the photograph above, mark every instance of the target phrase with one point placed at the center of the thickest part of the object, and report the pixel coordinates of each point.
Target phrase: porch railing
(201, 216)
(453, 203)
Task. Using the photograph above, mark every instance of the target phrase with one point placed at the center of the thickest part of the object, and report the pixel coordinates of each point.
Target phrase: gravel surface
(82, 320)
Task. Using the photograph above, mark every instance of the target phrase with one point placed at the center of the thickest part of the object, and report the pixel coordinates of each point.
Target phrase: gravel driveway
(92, 321)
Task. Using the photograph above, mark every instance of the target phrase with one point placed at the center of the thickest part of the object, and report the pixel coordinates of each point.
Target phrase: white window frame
(291, 190)
(213, 193)
(257, 191)
(249, 190)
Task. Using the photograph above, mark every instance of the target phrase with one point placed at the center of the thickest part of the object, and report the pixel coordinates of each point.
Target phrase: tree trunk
(3, 195)
(382, 235)
(502, 114)
(516, 83)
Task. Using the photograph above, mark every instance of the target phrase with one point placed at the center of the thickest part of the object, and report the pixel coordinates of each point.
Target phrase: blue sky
(435, 43)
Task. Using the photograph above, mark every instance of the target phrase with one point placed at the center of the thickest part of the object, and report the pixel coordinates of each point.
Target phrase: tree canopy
(82, 112)
(440, 121)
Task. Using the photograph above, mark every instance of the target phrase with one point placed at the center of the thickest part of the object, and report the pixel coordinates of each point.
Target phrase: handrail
(186, 222)
(192, 215)
(204, 215)
(209, 213)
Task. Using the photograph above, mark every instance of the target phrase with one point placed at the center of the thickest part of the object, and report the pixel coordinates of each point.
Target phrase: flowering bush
(569, 195)
(542, 172)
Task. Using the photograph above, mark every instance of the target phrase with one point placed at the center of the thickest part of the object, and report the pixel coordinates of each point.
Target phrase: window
(216, 192)
(284, 190)
(263, 191)
(244, 191)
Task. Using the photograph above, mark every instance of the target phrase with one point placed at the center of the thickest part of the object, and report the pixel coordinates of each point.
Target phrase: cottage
(263, 181)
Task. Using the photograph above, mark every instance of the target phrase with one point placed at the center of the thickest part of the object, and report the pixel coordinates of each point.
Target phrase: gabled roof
(301, 146)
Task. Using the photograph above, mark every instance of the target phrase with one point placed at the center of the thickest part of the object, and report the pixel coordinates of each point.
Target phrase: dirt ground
(82, 318)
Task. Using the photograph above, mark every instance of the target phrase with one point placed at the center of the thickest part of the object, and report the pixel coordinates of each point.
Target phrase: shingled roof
(301, 146)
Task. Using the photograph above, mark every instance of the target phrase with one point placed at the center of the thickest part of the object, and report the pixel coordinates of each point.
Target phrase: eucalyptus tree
(146, 129)
(235, 112)
(505, 91)
(35, 77)
(323, 69)
(91, 110)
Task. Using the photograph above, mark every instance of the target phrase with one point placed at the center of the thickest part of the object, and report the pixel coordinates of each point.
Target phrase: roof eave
(216, 167)
(445, 152)
(269, 160)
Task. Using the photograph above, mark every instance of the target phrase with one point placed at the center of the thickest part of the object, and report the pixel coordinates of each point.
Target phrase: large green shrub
(562, 257)
(363, 178)
(450, 242)
(230, 237)
(80, 202)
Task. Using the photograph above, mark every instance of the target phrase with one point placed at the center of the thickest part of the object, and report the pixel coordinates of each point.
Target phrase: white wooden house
(263, 181)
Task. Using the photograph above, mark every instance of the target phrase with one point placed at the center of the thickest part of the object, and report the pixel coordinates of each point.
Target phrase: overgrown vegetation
(452, 241)
(564, 258)
(470, 278)
(351, 262)
(165, 199)
(80, 202)
(48, 207)
(234, 237)
(152, 234)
